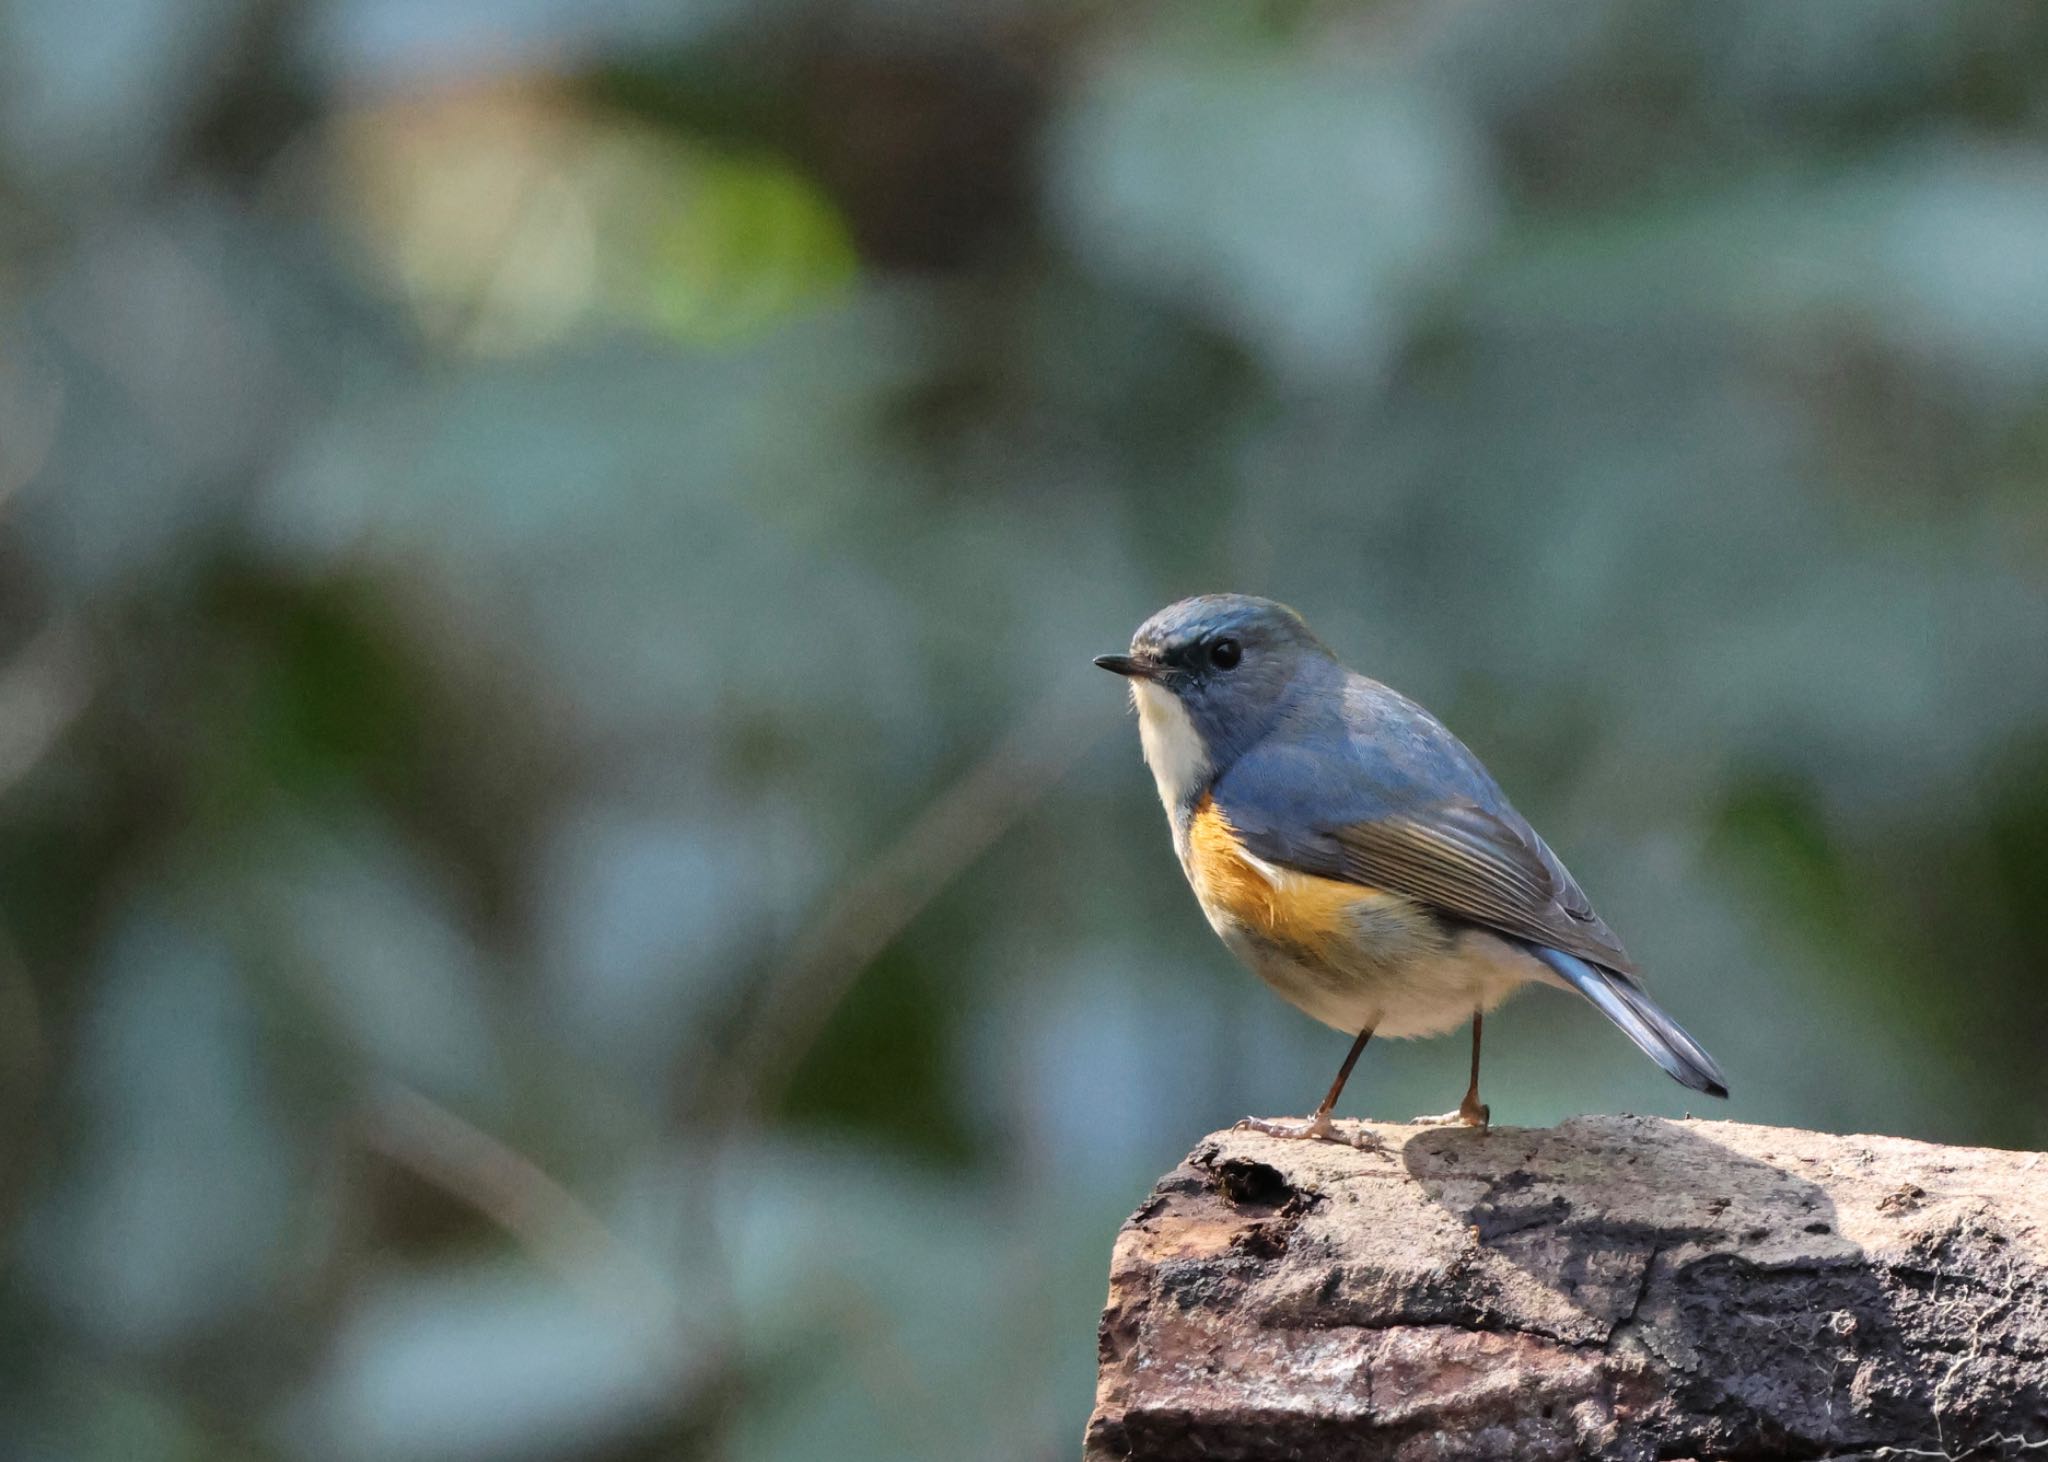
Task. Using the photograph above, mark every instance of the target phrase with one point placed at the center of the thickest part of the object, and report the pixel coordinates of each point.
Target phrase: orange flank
(1290, 908)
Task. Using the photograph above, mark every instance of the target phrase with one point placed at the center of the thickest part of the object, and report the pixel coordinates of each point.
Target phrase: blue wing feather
(1367, 786)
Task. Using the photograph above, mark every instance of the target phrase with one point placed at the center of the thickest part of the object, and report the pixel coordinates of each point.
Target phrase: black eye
(1225, 654)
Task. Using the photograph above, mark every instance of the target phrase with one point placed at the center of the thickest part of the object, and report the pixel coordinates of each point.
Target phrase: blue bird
(1353, 852)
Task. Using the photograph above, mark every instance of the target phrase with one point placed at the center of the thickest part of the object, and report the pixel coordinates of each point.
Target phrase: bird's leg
(1471, 1112)
(1319, 1124)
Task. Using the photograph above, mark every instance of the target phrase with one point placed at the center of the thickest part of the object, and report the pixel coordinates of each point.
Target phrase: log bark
(1615, 1287)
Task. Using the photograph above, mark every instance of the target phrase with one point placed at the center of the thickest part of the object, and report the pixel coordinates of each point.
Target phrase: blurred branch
(887, 1371)
(869, 911)
(24, 1071)
(558, 1229)
(42, 691)
(856, 924)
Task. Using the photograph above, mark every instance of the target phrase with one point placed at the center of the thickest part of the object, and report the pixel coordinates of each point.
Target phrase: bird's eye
(1225, 654)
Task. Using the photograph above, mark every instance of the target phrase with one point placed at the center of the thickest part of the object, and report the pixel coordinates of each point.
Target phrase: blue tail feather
(1623, 1001)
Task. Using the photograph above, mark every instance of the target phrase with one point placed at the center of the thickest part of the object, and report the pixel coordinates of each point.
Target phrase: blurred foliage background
(566, 886)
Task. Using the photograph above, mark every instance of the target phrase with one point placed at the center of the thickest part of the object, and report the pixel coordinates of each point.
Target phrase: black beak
(1128, 665)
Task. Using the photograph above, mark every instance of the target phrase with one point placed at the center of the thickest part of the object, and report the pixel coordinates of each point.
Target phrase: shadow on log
(1617, 1287)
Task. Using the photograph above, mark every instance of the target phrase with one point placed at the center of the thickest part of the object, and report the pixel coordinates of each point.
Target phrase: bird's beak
(1128, 665)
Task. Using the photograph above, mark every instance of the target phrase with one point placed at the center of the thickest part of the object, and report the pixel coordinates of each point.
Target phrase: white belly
(1398, 993)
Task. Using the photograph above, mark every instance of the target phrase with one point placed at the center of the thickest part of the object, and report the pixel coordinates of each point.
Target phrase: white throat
(1173, 748)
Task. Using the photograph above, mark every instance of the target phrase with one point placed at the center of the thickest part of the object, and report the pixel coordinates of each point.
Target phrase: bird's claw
(1317, 1128)
(1472, 1114)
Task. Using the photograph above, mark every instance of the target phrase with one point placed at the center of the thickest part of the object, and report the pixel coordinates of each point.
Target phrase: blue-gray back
(1355, 781)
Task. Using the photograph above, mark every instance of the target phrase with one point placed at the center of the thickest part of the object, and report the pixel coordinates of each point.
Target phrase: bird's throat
(1173, 749)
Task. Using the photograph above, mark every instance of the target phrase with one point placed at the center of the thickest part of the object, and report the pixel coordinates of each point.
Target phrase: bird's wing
(1393, 800)
(1468, 862)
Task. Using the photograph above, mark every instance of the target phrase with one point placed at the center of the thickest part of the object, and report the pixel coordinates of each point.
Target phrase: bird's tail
(1622, 1001)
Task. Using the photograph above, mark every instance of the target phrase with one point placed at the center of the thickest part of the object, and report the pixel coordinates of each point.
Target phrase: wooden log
(1616, 1287)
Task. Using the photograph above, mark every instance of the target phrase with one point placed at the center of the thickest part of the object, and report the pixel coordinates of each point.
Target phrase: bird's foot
(1469, 1114)
(1317, 1128)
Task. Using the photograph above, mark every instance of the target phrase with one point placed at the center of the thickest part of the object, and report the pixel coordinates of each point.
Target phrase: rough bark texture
(1617, 1287)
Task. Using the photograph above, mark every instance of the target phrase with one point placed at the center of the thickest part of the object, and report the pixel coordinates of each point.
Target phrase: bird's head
(1210, 676)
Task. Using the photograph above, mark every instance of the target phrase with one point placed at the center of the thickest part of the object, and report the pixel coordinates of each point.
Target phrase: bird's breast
(1312, 917)
(1349, 955)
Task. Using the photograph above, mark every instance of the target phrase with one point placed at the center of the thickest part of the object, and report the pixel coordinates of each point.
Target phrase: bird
(1356, 855)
